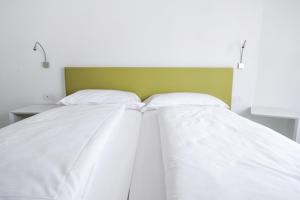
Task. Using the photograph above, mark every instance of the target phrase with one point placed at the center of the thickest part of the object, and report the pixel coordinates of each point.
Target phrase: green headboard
(151, 80)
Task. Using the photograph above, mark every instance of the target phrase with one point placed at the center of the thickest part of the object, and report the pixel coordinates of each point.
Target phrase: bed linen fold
(50, 155)
(214, 154)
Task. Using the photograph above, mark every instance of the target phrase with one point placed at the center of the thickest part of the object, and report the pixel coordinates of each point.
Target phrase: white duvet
(210, 153)
(49, 156)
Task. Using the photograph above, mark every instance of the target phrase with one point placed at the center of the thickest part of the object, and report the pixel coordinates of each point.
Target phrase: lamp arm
(45, 55)
(242, 51)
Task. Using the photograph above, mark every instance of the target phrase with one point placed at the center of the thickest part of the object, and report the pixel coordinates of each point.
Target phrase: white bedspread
(212, 153)
(50, 155)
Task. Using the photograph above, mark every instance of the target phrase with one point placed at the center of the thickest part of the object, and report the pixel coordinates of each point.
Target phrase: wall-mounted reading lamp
(241, 65)
(45, 64)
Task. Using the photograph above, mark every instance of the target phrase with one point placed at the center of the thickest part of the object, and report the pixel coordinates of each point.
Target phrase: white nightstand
(28, 111)
(280, 113)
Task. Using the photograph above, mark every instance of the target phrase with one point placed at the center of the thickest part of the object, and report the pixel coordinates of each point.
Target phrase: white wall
(122, 33)
(278, 82)
(279, 68)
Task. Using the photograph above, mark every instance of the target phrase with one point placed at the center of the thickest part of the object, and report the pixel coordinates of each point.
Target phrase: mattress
(111, 177)
(148, 176)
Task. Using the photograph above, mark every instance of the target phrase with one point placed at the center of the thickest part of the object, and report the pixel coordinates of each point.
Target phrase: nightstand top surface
(34, 109)
(274, 112)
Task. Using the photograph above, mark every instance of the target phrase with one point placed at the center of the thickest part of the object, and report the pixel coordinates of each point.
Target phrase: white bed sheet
(148, 175)
(31, 169)
(110, 180)
(148, 181)
(213, 153)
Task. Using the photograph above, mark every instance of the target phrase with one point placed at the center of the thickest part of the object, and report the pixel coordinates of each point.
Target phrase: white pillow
(181, 98)
(93, 97)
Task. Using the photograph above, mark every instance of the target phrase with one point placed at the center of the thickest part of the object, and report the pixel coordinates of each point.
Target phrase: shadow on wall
(283, 126)
(4, 119)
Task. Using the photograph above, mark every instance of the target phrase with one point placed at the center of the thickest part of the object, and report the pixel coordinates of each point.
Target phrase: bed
(103, 142)
(189, 152)
(70, 152)
(63, 152)
(148, 181)
(165, 165)
(148, 81)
